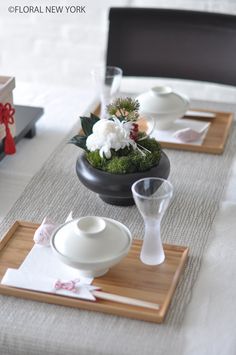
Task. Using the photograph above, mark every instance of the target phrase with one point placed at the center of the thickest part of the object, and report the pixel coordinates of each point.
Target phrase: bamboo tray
(129, 278)
(216, 137)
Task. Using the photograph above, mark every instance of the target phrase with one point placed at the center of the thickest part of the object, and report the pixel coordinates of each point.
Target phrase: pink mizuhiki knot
(68, 285)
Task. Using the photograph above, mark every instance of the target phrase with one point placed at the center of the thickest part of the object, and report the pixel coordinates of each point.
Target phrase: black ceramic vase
(115, 189)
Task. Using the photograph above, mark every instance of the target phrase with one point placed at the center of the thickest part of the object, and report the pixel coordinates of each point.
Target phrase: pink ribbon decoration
(68, 285)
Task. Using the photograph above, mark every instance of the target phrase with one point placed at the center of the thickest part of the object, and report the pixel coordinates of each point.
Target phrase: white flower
(110, 134)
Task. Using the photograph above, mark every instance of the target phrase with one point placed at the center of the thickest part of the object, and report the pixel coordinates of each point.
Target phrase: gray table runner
(35, 328)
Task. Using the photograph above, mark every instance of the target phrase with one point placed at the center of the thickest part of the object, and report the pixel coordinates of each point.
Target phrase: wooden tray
(129, 278)
(216, 137)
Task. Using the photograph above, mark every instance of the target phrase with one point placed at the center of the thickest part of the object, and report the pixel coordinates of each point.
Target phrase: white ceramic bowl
(91, 244)
(163, 105)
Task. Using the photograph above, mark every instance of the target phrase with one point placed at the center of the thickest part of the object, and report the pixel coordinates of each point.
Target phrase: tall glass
(152, 197)
(107, 82)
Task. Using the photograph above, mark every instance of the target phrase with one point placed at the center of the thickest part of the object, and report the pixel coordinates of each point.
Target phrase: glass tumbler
(107, 82)
(152, 197)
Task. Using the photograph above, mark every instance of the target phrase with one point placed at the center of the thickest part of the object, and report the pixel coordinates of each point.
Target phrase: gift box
(7, 85)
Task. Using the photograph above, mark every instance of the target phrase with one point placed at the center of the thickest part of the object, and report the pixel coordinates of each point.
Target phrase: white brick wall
(54, 48)
(62, 48)
(223, 6)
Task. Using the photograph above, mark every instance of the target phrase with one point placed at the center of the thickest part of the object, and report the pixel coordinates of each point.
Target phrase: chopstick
(126, 300)
(200, 114)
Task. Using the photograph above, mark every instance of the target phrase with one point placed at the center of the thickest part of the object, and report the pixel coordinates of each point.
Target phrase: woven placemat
(199, 181)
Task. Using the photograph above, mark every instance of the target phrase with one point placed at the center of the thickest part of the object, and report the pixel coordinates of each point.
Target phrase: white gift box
(7, 85)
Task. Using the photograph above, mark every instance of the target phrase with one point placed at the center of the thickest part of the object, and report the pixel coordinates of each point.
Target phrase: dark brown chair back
(173, 44)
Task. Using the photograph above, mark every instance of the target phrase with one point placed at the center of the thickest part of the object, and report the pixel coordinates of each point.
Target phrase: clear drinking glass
(152, 197)
(107, 82)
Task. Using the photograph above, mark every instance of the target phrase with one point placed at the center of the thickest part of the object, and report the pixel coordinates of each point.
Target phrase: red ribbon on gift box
(6, 117)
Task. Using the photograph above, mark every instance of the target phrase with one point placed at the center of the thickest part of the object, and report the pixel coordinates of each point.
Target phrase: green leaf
(95, 117)
(79, 141)
(87, 123)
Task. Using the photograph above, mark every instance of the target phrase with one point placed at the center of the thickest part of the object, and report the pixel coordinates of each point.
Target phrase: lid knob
(161, 90)
(90, 225)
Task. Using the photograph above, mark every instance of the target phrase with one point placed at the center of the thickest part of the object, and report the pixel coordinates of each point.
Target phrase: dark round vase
(115, 189)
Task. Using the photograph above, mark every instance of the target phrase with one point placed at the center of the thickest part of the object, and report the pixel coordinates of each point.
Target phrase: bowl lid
(91, 239)
(162, 99)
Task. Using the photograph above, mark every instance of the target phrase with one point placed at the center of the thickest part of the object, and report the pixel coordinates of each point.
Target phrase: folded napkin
(183, 131)
(78, 288)
(42, 271)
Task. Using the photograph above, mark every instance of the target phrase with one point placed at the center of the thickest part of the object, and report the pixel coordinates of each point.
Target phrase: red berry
(134, 131)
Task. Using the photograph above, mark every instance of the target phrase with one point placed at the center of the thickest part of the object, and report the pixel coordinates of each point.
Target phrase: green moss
(120, 165)
(95, 160)
(128, 160)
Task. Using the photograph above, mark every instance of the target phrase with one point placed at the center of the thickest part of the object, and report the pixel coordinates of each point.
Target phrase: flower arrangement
(116, 145)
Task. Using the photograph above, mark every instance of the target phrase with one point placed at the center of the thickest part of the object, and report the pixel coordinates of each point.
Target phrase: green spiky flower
(124, 109)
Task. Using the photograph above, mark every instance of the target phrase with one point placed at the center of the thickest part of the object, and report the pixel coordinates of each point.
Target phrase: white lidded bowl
(91, 244)
(163, 105)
